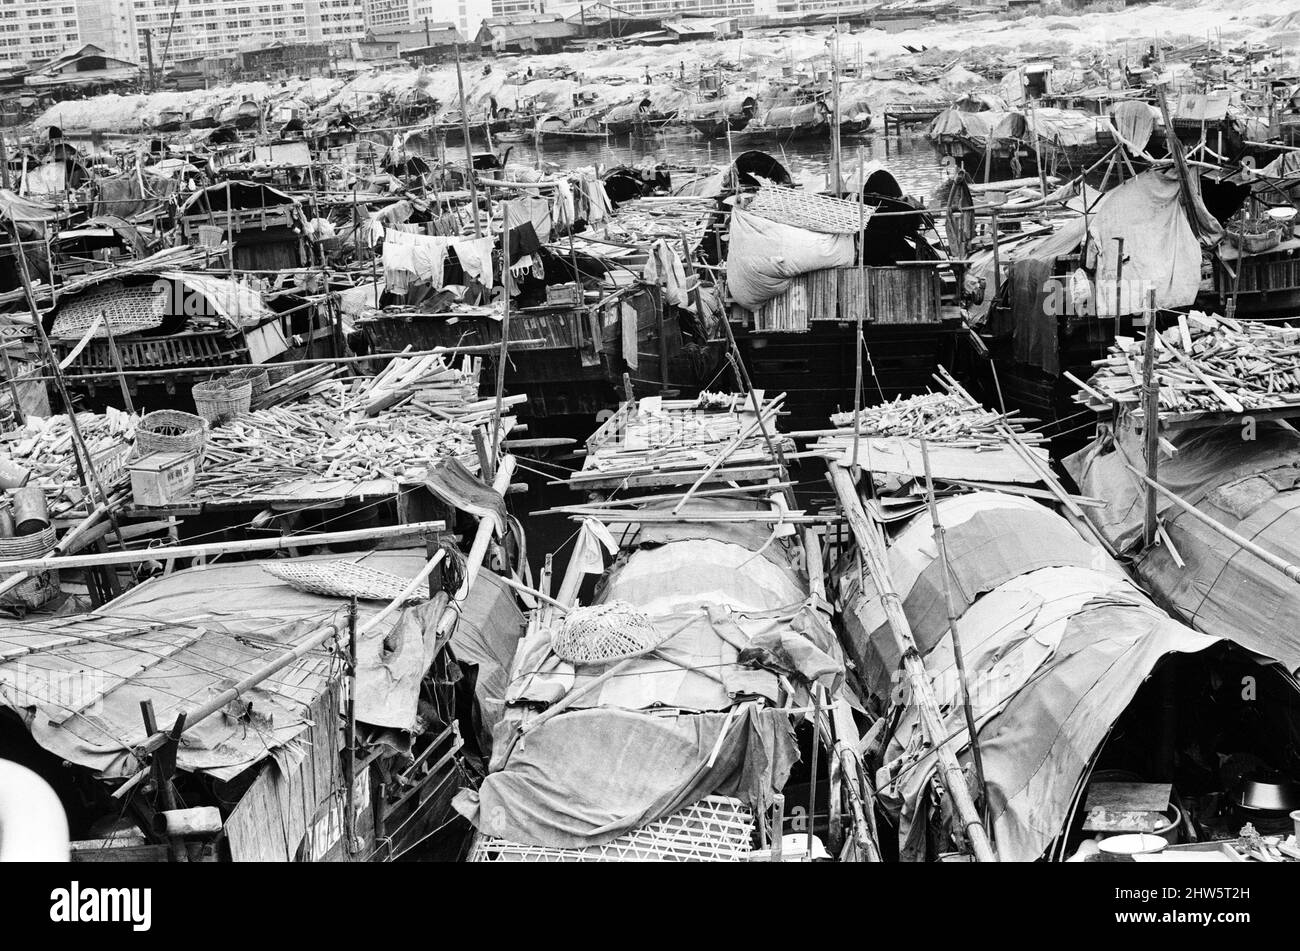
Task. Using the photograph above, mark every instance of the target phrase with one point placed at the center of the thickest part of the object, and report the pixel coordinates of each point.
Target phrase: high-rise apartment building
(36, 30)
(110, 25)
(466, 15)
(182, 29)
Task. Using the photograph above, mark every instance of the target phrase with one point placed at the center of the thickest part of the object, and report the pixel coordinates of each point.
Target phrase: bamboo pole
(950, 774)
(477, 551)
(941, 541)
(52, 562)
(844, 746)
(505, 332)
(858, 342)
(469, 148)
(1151, 421)
(1282, 565)
(127, 402)
(218, 702)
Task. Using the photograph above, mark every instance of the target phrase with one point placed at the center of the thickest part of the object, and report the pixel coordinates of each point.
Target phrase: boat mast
(836, 182)
(469, 149)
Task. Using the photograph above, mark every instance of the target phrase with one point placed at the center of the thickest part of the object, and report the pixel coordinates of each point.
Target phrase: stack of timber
(947, 437)
(937, 417)
(427, 381)
(1205, 364)
(45, 448)
(276, 452)
(653, 441)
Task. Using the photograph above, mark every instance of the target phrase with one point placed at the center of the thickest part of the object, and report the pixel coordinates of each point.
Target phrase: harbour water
(910, 157)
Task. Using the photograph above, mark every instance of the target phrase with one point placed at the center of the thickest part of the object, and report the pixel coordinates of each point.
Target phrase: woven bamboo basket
(606, 632)
(343, 579)
(802, 209)
(258, 376)
(170, 430)
(40, 587)
(219, 400)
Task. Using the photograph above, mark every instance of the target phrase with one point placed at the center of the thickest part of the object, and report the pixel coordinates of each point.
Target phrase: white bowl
(1133, 843)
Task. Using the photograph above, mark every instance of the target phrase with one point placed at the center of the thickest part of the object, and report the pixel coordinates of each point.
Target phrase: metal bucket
(12, 475)
(30, 514)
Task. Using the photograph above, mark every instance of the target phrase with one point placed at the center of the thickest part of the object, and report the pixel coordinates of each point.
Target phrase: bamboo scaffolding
(872, 546)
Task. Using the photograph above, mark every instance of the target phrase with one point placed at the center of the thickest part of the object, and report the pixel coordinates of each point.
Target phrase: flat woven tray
(802, 209)
(129, 309)
(344, 579)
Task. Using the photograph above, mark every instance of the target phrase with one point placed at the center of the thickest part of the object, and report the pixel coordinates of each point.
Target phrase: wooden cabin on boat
(155, 319)
(97, 244)
(676, 738)
(308, 758)
(264, 225)
(840, 262)
(968, 530)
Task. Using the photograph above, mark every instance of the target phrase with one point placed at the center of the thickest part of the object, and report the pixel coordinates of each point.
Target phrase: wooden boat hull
(817, 368)
(716, 128)
(567, 374)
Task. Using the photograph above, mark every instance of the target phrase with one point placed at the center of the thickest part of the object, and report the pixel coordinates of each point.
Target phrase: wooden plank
(1129, 797)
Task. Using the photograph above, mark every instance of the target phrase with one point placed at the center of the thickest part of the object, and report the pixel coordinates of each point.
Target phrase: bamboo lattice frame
(129, 309)
(803, 209)
(715, 829)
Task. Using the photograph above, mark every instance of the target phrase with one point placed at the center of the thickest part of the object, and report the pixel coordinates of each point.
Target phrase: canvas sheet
(78, 681)
(1161, 249)
(765, 255)
(902, 455)
(1055, 649)
(991, 539)
(1248, 485)
(588, 776)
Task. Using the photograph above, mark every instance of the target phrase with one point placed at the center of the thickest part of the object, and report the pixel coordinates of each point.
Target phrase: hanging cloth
(475, 256)
(664, 269)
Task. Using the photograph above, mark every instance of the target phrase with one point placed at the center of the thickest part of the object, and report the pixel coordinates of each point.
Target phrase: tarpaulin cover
(899, 454)
(1034, 339)
(450, 481)
(1161, 251)
(1065, 239)
(1248, 485)
(235, 302)
(78, 680)
(1134, 122)
(1056, 642)
(1068, 127)
(638, 747)
(587, 776)
(783, 117)
(978, 127)
(17, 208)
(130, 193)
(764, 256)
(486, 636)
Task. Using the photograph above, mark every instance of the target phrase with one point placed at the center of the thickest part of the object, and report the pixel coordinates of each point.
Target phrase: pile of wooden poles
(45, 448)
(936, 417)
(1205, 363)
(257, 452)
